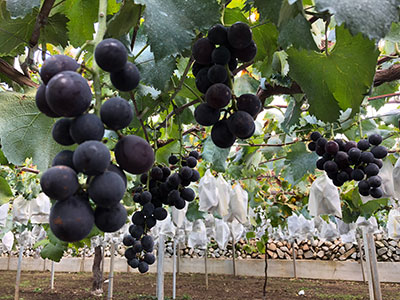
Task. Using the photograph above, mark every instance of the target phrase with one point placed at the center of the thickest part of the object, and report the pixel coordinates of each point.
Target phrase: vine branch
(139, 116)
(177, 111)
(15, 75)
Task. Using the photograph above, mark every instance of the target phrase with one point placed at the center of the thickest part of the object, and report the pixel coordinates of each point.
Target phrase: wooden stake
(374, 267)
(174, 271)
(18, 279)
(361, 257)
(294, 260)
(160, 268)
(111, 275)
(205, 266)
(368, 267)
(233, 255)
(178, 258)
(52, 276)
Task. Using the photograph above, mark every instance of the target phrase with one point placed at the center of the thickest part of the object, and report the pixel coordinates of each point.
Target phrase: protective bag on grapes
(393, 224)
(21, 210)
(165, 227)
(40, 209)
(3, 214)
(223, 189)
(238, 205)
(198, 236)
(38, 233)
(300, 228)
(347, 231)
(396, 179)
(222, 233)
(324, 198)
(26, 239)
(178, 216)
(326, 231)
(209, 220)
(370, 224)
(8, 241)
(237, 229)
(208, 198)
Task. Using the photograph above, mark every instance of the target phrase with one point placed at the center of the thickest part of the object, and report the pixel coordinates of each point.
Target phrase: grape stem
(192, 91)
(139, 116)
(181, 82)
(177, 111)
(141, 51)
(101, 30)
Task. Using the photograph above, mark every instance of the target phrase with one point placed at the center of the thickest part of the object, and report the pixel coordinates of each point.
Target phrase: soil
(77, 286)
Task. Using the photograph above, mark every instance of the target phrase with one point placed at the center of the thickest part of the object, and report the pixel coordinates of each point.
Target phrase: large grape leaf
(215, 155)
(21, 8)
(14, 33)
(25, 132)
(170, 24)
(277, 11)
(265, 37)
(299, 162)
(55, 31)
(124, 20)
(370, 17)
(337, 81)
(82, 15)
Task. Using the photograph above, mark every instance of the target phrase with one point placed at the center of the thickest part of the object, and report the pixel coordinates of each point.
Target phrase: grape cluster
(216, 56)
(346, 161)
(66, 94)
(165, 187)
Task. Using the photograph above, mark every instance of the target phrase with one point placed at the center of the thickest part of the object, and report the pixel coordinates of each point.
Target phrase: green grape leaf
(193, 213)
(14, 33)
(292, 115)
(298, 163)
(5, 191)
(82, 15)
(157, 73)
(329, 81)
(280, 63)
(215, 155)
(245, 85)
(296, 32)
(55, 31)
(171, 24)
(25, 132)
(53, 252)
(113, 7)
(383, 89)
(163, 153)
(269, 9)
(122, 22)
(21, 8)
(3, 159)
(265, 37)
(369, 208)
(394, 33)
(233, 15)
(370, 17)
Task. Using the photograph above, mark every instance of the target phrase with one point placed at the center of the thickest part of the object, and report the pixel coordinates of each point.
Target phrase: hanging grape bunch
(216, 56)
(164, 187)
(65, 94)
(346, 161)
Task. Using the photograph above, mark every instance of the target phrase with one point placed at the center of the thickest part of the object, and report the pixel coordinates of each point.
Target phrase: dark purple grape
(195, 177)
(379, 151)
(221, 55)
(110, 219)
(375, 139)
(173, 159)
(41, 102)
(160, 213)
(57, 64)
(64, 158)
(376, 192)
(206, 115)
(371, 169)
(191, 162)
(194, 154)
(156, 173)
(202, 50)
(249, 103)
(111, 55)
(128, 240)
(116, 113)
(202, 81)
(367, 157)
(218, 34)
(315, 136)
(378, 162)
(91, 158)
(239, 35)
(61, 132)
(59, 182)
(221, 135)
(174, 180)
(312, 146)
(363, 185)
(331, 147)
(321, 142)
(363, 145)
(354, 155)
(136, 230)
(107, 189)
(138, 218)
(330, 166)
(218, 96)
(374, 181)
(246, 54)
(349, 145)
(357, 174)
(86, 127)
(143, 267)
(320, 164)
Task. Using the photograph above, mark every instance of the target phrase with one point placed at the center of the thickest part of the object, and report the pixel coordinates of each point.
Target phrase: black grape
(185, 173)
(149, 258)
(221, 135)
(206, 115)
(378, 162)
(137, 247)
(367, 157)
(191, 162)
(107, 189)
(173, 159)
(320, 150)
(143, 267)
(56, 64)
(127, 78)
(119, 171)
(136, 230)
(64, 158)
(180, 203)
(188, 194)
(68, 94)
(60, 132)
(160, 213)
(239, 35)
(217, 74)
(166, 172)
(312, 146)
(202, 81)
(110, 219)
(364, 192)
(111, 55)
(343, 176)
(150, 222)
(128, 240)
(72, 219)
(354, 155)
(321, 142)
(148, 209)
(315, 136)
(374, 181)
(241, 124)
(376, 192)
(197, 67)
(130, 254)
(341, 144)
(116, 113)
(133, 263)
(86, 127)
(218, 34)
(59, 182)
(221, 55)
(218, 95)
(349, 145)
(194, 154)
(357, 174)
(147, 243)
(249, 103)
(156, 173)
(331, 147)
(145, 197)
(143, 178)
(195, 177)
(330, 167)
(173, 196)
(202, 50)
(91, 158)
(41, 102)
(233, 64)
(363, 145)
(320, 164)
(134, 154)
(371, 169)
(246, 54)
(379, 151)
(174, 180)
(138, 218)
(363, 185)
(342, 159)
(375, 139)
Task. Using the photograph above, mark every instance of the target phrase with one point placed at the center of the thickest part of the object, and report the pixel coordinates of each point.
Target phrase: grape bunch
(216, 56)
(165, 187)
(346, 161)
(65, 94)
